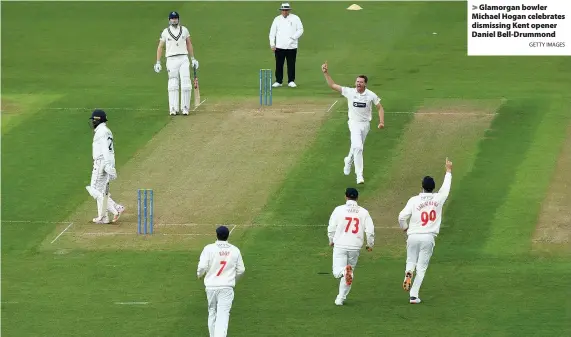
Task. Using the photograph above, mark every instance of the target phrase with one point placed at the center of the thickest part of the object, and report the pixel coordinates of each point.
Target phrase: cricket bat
(105, 200)
(196, 89)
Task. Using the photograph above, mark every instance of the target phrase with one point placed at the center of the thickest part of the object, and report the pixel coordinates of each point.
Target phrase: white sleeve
(346, 91)
(376, 99)
(240, 268)
(370, 231)
(273, 33)
(186, 33)
(203, 263)
(162, 37)
(299, 30)
(445, 189)
(332, 227)
(108, 149)
(405, 214)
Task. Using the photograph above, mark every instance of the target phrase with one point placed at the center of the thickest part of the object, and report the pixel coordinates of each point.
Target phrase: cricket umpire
(284, 35)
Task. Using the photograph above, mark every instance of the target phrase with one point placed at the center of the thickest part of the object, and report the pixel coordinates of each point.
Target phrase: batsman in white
(176, 38)
(360, 101)
(103, 168)
(348, 225)
(425, 214)
(221, 265)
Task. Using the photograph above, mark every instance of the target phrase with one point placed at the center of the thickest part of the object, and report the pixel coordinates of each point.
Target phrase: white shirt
(103, 147)
(360, 105)
(285, 32)
(348, 225)
(222, 263)
(175, 40)
(425, 210)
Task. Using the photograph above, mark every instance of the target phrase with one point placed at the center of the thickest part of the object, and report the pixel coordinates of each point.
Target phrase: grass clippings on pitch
(222, 168)
(553, 230)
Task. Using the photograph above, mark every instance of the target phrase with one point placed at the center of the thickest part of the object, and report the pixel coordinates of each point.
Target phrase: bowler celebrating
(221, 265)
(348, 225)
(360, 101)
(425, 214)
(178, 47)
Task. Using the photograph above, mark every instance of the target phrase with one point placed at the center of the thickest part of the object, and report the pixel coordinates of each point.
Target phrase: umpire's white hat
(285, 6)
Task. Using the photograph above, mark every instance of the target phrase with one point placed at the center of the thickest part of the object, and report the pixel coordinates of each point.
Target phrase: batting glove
(158, 67)
(111, 172)
(194, 63)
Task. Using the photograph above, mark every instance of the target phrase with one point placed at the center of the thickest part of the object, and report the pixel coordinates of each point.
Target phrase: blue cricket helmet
(98, 116)
(173, 15)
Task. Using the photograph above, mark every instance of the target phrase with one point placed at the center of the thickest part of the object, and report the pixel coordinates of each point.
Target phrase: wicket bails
(265, 87)
(145, 202)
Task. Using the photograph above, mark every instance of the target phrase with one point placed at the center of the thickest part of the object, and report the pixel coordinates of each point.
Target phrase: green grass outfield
(276, 175)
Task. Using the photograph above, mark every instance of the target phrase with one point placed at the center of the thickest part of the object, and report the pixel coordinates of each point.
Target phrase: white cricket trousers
(419, 249)
(219, 305)
(178, 68)
(96, 188)
(342, 258)
(359, 131)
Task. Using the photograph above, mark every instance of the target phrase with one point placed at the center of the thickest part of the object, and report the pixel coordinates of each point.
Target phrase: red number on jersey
(425, 217)
(349, 221)
(223, 263)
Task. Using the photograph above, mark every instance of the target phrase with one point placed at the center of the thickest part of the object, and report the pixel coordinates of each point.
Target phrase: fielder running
(178, 47)
(222, 265)
(348, 225)
(360, 101)
(425, 214)
(103, 168)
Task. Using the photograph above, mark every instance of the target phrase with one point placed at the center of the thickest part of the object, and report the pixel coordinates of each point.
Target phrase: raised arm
(329, 80)
(445, 189)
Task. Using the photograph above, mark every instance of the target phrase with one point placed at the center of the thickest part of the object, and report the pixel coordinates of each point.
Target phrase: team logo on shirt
(359, 105)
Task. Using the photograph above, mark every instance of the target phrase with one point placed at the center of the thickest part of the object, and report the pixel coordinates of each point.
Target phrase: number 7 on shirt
(223, 263)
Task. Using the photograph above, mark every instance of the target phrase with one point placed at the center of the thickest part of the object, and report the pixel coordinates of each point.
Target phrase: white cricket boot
(292, 84)
(172, 113)
(120, 209)
(347, 166)
(185, 112)
(338, 301)
(102, 220)
(276, 84)
(360, 180)
(414, 300)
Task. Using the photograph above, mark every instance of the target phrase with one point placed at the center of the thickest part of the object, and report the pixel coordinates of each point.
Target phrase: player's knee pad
(185, 83)
(173, 83)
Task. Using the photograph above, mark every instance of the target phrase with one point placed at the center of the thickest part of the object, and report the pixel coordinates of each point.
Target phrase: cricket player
(348, 225)
(103, 168)
(425, 214)
(221, 265)
(176, 38)
(360, 101)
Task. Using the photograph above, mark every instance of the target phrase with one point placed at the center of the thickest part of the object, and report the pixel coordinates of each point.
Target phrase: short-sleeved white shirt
(175, 40)
(360, 105)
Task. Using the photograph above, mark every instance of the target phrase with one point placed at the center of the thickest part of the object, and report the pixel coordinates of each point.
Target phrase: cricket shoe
(120, 209)
(185, 112)
(414, 300)
(348, 275)
(102, 220)
(407, 281)
(360, 180)
(292, 84)
(172, 113)
(276, 84)
(347, 167)
(338, 301)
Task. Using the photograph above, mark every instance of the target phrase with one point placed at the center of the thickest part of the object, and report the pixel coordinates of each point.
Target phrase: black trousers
(281, 56)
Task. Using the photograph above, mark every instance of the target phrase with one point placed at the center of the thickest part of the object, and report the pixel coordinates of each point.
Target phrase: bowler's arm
(332, 84)
(160, 50)
(381, 115)
(404, 215)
